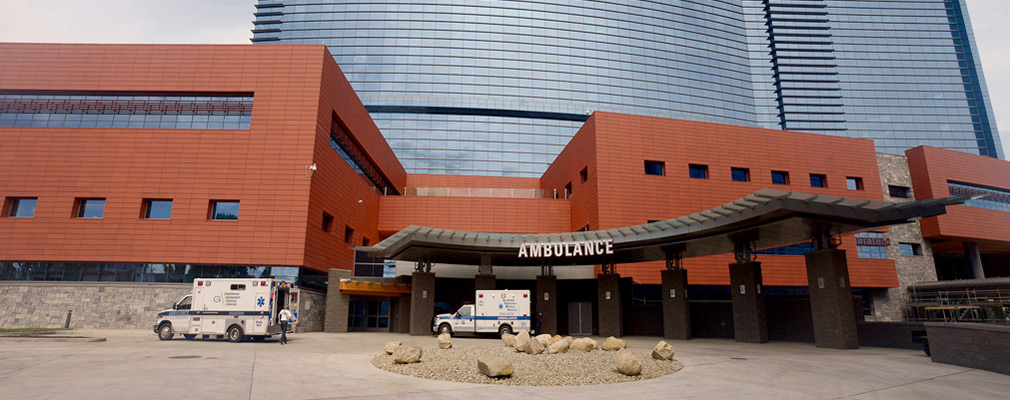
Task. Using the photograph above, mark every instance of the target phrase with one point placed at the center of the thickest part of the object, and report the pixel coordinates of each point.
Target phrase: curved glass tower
(499, 87)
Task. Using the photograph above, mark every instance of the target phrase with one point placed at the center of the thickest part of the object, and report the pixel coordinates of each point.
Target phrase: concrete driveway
(136, 365)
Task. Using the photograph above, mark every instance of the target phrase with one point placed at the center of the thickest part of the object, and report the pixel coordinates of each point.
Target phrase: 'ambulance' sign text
(567, 249)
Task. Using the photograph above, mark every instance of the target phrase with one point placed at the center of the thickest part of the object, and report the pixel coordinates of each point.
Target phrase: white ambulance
(232, 308)
(501, 311)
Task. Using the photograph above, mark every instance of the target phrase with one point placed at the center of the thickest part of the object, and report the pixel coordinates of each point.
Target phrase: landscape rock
(390, 346)
(662, 351)
(509, 339)
(583, 344)
(560, 346)
(535, 347)
(543, 339)
(407, 354)
(554, 339)
(627, 363)
(522, 341)
(444, 341)
(494, 366)
(613, 344)
(569, 340)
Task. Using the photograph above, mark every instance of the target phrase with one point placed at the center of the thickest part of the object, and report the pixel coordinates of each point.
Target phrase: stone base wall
(311, 311)
(970, 345)
(118, 305)
(895, 335)
(112, 305)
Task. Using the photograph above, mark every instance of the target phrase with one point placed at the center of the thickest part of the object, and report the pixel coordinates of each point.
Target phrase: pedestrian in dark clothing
(537, 321)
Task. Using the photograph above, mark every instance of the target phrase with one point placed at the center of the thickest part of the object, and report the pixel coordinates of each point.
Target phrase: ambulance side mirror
(457, 315)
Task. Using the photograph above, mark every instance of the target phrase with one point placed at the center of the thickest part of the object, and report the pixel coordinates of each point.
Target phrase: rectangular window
(698, 171)
(984, 197)
(871, 245)
(780, 177)
(910, 249)
(740, 174)
(22, 207)
(327, 222)
(655, 168)
(223, 210)
(568, 190)
(901, 192)
(365, 242)
(854, 183)
(584, 174)
(818, 180)
(157, 209)
(90, 208)
(348, 234)
(238, 286)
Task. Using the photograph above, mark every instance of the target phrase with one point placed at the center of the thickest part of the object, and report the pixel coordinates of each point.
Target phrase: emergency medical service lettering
(509, 307)
(231, 298)
(567, 249)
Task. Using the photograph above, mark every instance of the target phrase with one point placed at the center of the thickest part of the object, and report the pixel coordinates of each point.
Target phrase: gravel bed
(459, 364)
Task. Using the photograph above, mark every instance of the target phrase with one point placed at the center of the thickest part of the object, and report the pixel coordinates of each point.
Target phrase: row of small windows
(991, 198)
(700, 171)
(94, 208)
(122, 110)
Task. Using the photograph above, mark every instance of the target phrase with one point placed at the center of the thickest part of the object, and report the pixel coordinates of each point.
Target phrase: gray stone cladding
(111, 305)
(889, 304)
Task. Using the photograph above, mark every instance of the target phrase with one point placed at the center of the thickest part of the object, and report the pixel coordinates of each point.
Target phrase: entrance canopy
(766, 218)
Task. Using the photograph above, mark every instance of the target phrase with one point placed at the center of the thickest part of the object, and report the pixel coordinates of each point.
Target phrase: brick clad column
(422, 302)
(609, 319)
(676, 310)
(484, 282)
(547, 285)
(338, 305)
(749, 322)
(831, 301)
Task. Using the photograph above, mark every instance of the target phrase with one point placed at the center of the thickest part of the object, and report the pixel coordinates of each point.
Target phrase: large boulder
(560, 346)
(509, 339)
(627, 363)
(583, 344)
(390, 346)
(407, 354)
(444, 341)
(535, 347)
(543, 339)
(613, 344)
(523, 341)
(569, 339)
(494, 366)
(662, 351)
(554, 339)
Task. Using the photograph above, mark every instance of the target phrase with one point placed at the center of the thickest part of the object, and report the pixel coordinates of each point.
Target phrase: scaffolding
(990, 305)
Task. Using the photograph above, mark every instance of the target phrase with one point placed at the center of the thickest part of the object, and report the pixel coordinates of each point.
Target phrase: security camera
(312, 167)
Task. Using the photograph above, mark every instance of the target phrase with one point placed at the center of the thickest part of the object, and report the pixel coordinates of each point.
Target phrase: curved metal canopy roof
(766, 218)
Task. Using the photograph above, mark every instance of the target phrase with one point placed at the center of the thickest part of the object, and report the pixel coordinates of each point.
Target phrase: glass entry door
(580, 318)
(368, 314)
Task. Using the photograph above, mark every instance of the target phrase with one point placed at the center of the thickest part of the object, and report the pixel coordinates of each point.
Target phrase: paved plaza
(134, 364)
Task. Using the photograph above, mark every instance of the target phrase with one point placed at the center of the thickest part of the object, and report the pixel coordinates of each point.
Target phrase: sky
(230, 21)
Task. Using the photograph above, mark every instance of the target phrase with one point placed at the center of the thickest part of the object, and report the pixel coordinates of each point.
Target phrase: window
(223, 210)
(22, 207)
(568, 189)
(348, 234)
(584, 174)
(655, 168)
(157, 209)
(698, 171)
(740, 174)
(910, 249)
(871, 245)
(90, 208)
(818, 180)
(780, 177)
(901, 192)
(327, 222)
(854, 183)
(365, 241)
(238, 286)
(985, 197)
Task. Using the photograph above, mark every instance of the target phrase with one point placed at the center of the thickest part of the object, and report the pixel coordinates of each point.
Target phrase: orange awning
(364, 288)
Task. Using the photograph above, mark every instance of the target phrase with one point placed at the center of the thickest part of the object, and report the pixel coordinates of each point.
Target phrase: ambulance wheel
(235, 334)
(165, 331)
(504, 329)
(445, 328)
(188, 336)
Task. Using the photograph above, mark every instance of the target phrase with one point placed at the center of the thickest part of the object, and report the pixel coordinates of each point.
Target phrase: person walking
(536, 323)
(285, 318)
